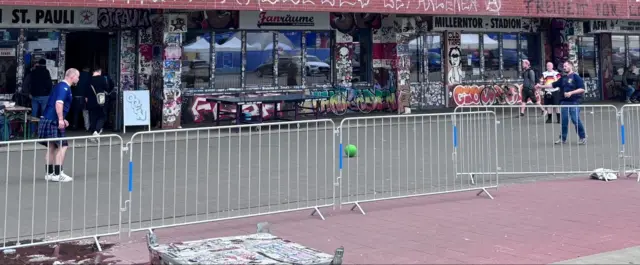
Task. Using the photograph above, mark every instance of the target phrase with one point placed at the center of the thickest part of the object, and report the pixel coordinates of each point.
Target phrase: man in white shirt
(551, 95)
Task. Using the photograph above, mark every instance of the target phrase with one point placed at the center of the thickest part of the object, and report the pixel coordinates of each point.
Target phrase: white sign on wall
(282, 20)
(35, 17)
(137, 105)
(492, 24)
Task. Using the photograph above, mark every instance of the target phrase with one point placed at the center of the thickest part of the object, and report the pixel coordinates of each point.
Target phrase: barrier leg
(317, 210)
(359, 208)
(484, 190)
(97, 241)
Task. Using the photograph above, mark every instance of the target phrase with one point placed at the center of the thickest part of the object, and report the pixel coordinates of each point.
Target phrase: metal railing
(414, 155)
(187, 176)
(529, 145)
(630, 145)
(37, 211)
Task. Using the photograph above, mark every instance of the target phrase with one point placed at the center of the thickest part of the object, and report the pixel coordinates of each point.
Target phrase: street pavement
(527, 223)
(215, 173)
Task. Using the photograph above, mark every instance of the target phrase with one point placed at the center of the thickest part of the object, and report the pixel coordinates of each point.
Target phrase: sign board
(615, 26)
(283, 20)
(7, 52)
(53, 18)
(480, 24)
(137, 106)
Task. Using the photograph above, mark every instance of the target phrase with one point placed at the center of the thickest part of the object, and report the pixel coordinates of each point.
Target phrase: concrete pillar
(175, 26)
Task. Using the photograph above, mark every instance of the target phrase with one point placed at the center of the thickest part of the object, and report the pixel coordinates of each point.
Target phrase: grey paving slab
(623, 256)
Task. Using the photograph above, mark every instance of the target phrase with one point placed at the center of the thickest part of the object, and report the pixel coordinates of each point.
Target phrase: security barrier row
(188, 176)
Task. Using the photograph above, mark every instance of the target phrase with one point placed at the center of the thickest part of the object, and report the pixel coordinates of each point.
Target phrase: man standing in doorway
(571, 88)
(53, 125)
(40, 87)
(528, 87)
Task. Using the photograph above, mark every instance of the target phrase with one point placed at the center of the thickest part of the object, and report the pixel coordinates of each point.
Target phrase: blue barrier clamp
(622, 134)
(340, 156)
(130, 176)
(455, 136)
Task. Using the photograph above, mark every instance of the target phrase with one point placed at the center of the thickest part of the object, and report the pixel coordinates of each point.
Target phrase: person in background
(82, 87)
(572, 89)
(53, 125)
(630, 84)
(111, 98)
(528, 87)
(95, 98)
(78, 105)
(551, 95)
(40, 85)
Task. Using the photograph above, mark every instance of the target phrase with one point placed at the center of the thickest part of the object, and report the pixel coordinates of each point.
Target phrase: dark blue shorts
(48, 129)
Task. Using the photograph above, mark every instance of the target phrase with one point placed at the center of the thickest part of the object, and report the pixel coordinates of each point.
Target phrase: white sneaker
(48, 177)
(61, 178)
(95, 139)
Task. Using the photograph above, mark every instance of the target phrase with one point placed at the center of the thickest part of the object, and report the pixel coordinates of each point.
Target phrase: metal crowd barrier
(630, 134)
(415, 155)
(527, 143)
(36, 211)
(188, 176)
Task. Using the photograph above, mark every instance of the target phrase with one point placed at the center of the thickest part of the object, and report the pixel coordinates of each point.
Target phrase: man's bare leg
(60, 155)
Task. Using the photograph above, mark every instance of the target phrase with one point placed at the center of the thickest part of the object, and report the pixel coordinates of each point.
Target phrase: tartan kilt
(48, 129)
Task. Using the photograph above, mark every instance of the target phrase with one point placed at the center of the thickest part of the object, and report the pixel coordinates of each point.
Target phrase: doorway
(87, 49)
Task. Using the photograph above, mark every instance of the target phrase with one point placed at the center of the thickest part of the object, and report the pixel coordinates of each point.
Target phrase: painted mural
(62, 46)
(427, 95)
(127, 59)
(404, 29)
(465, 95)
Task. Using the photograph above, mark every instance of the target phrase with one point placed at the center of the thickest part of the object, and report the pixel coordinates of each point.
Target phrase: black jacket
(40, 82)
(529, 79)
(100, 84)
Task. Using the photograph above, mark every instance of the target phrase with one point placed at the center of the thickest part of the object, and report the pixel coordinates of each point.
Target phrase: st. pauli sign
(493, 24)
(53, 18)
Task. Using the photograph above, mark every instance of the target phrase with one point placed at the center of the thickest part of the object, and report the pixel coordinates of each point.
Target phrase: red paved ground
(534, 223)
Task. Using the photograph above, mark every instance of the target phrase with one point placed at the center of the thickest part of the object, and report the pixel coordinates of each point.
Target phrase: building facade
(421, 54)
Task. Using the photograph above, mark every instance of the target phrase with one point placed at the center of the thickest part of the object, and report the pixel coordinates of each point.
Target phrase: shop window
(42, 45)
(511, 55)
(290, 58)
(492, 56)
(416, 46)
(8, 61)
(618, 52)
(319, 59)
(228, 47)
(260, 59)
(361, 61)
(634, 50)
(433, 46)
(530, 50)
(195, 63)
(586, 59)
(470, 56)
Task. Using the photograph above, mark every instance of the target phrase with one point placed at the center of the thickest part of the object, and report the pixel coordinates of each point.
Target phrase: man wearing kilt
(53, 125)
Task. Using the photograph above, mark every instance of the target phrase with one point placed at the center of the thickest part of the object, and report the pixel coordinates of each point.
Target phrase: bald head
(71, 76)
(549, 66)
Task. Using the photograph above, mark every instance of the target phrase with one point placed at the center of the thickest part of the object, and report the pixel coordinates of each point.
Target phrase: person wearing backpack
(530, 80)
(95, 98)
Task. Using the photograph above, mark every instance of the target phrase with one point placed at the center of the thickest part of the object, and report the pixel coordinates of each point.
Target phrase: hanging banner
(48, 18)
(493, 24)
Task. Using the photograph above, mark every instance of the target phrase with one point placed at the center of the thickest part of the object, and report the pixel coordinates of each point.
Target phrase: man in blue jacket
(571, 88)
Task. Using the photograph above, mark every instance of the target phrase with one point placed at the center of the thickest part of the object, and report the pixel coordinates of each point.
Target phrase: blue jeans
(4, 128)
(628, 92)
(37, 109)
(571, 111)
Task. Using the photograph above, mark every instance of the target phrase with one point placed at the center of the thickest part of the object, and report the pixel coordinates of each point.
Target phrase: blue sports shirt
(60, 93)
(570, 83)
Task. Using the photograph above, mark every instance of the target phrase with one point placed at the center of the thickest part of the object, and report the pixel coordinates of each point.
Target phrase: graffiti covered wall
(471, 95)
(175, 25)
